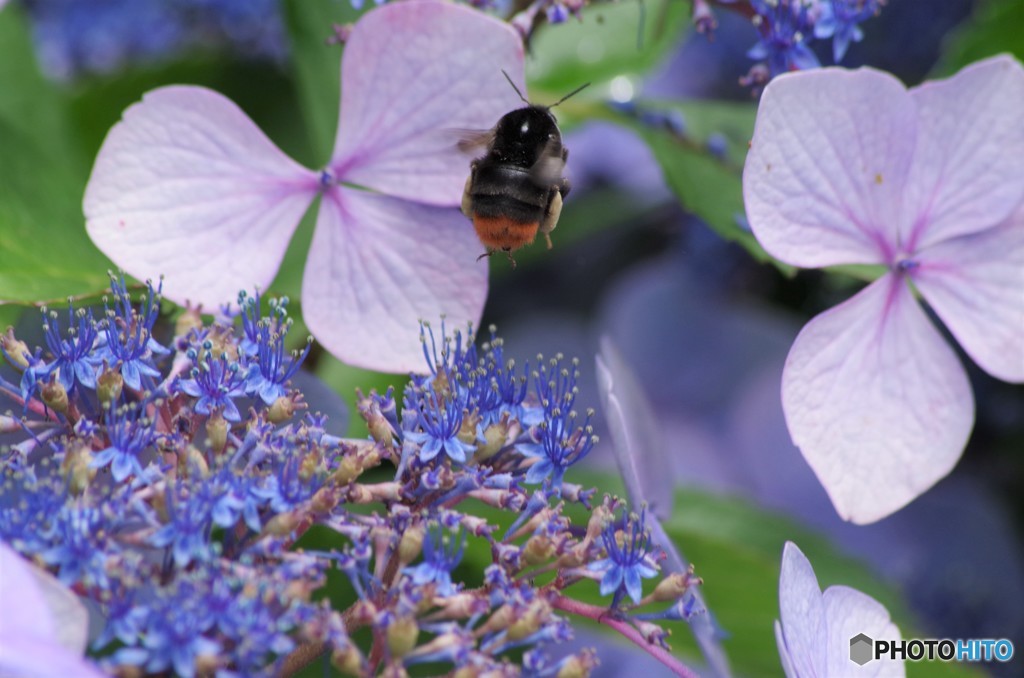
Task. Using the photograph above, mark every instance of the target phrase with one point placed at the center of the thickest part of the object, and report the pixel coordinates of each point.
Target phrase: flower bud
(109, 385)
(325, 499)
(673, 586)
(217, 432)
(402, 635)
(54, 395)
(16, 350)
(189, 320)
(282, 410)
(653, 634)
(410, 545)
(579, 665)
(535, 616)
(309, 465)
(75, 467)
(495, 437)
(283, 524)
(467, 432)
(538, 550)
(193, 460)
(348, 660)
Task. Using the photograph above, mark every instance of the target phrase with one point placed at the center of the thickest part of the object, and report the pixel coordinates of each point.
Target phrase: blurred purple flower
(815, 628)
(928, 183)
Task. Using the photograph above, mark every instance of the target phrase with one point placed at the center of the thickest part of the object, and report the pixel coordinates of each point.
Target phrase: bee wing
(471, 140)
(547, 170)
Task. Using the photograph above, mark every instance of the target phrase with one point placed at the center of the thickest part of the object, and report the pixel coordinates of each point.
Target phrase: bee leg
(485, 254)
(467, 198)
(510, 259)
(551, 215)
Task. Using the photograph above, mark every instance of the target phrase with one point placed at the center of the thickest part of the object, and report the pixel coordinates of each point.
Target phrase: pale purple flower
(187, 186)
(849, 167)
(43, 625)
(815, 628)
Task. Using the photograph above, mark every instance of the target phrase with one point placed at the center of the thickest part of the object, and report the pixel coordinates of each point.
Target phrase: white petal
(379, 265)
(968, 170)
(802, 614)
(413, 72)
(876, 400)
(826, 166)
(187, 186)
(975, 283)
(848, 613)
(23, 607)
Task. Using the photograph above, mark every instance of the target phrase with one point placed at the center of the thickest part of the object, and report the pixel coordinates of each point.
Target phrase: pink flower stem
(602, 616)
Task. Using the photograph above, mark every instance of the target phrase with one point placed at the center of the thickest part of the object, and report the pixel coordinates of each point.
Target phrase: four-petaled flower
(188, 187)
(848, 167)
(816, 628)
(441, 554)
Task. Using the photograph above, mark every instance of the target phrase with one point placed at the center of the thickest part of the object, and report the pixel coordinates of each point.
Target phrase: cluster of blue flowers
(169, 482)
(786, 28)
(76, 37)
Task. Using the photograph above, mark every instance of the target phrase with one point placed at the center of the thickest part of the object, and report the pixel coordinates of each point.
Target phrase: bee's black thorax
(521, 136)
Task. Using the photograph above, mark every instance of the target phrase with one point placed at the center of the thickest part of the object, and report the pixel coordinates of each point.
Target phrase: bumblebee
(516, 189)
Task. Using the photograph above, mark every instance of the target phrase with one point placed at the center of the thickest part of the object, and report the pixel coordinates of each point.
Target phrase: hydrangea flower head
(187, 186)
(849, 167)
(815, 629)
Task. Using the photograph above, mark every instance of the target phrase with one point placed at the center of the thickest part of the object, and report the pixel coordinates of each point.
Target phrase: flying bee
(516, 189)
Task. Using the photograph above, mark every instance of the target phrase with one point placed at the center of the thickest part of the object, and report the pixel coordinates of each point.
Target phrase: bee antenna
(525, 100)
(571, 94)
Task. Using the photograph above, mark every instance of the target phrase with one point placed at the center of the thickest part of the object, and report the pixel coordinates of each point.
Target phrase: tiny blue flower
(215, 383)
(839, 20)
(129, 339)
(189, 522)
(79, 545)
(785, 26)
(627, 562)
(130, 433)
(440, 419)
(73, 356)
(271, 370)
(441, 554)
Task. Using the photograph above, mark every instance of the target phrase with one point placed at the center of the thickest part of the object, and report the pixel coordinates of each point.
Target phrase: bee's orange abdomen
(502, 233)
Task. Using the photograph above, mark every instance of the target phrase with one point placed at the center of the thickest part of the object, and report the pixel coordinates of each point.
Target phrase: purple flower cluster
(172, 486)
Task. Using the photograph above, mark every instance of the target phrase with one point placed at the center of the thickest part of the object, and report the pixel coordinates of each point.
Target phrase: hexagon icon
(861, 649)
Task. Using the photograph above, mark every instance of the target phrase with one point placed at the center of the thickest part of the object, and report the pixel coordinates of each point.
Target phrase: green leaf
(995, 27)
(708, 186)
(317, 66)
(44, 251)
(609, 40)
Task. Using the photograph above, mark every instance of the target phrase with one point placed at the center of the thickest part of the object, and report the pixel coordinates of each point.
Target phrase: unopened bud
(310, 464)
(16, 350)
(109, 385)
(495, 437)
(207, 664)
(193, 461)
(325, 499)
(189, 320)
(601, 516)
(348, 660)
(402, 635)
(538, 550)
(672, 587)
(467, 433)
(54, 395)
(282, 410)
(283, 524)
(535, 616)
(579, 665)
(410, 545)
(653, 634)
(217, 432)
(348, 470)
(498, 621)
(75, 467)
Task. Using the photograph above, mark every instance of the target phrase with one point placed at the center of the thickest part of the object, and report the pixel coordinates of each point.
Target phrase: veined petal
(377, 266)
(187, 186)
(975, 283)
(968, 169)
(802, 613)
(827, 164)
(394, 132)
(876, 400)
(849, 612)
